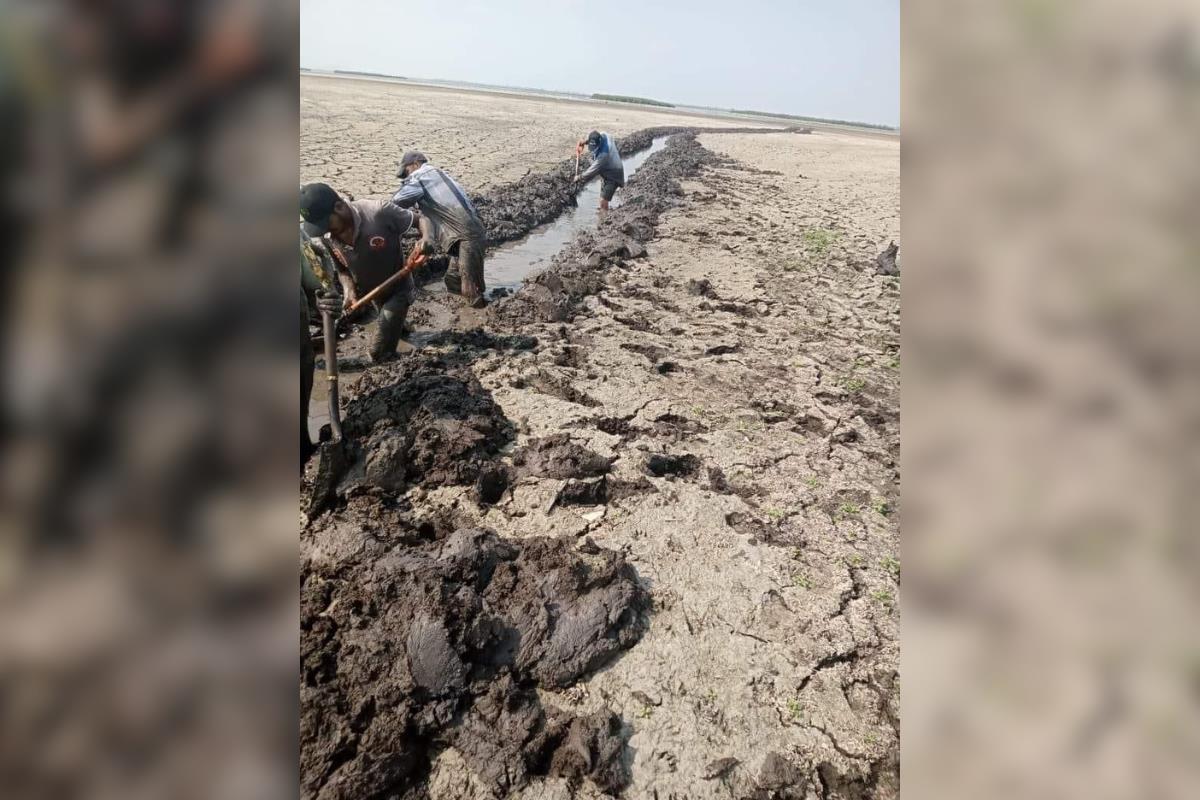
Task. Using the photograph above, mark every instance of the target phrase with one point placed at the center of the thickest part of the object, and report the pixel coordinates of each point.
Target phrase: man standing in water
(365, 235)
(456, 227)
(606, 162)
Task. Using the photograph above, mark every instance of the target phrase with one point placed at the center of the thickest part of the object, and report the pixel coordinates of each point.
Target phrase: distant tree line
(620, 98)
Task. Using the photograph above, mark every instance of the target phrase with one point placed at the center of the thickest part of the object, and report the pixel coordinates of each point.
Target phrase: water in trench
(509, 264)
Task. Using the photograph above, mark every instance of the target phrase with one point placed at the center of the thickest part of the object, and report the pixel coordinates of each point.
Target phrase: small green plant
(818, 240)
(797, 554)
(852, 384)
(846, 510)
(794, 708)
(883, 597)
(872, 738)
(645, 712)
(892, 565)
(856, 560)
(776, 514)
(882, 507)
(802, 581)
(894, 363)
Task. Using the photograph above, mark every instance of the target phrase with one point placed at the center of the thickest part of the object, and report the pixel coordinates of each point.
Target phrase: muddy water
(509, 264)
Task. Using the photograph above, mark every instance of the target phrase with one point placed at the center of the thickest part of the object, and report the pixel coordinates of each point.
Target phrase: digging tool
(331, 373)
(575, 182)
(415, 259)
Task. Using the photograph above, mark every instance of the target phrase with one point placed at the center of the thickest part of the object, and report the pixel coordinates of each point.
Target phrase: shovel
(575, 182)
(328, 324)
(332, 456)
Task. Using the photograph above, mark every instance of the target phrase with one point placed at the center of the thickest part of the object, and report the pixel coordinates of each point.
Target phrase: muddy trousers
(392, 315)
(465, 273)
(308, 364)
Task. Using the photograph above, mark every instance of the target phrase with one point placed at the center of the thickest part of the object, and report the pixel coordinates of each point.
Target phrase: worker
(455, 225)
(606, 162)
(364, 236)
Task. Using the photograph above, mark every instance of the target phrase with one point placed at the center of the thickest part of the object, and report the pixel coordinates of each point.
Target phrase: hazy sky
(821, 58)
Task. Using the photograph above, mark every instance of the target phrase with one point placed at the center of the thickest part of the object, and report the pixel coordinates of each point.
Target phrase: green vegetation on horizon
(798, 118)
(620, 98)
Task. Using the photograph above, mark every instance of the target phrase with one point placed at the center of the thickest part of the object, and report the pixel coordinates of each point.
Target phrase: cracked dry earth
(744, 381)
(694, 476)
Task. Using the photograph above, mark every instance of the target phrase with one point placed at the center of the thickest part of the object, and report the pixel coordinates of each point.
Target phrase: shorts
(608, 188)
(612, 179)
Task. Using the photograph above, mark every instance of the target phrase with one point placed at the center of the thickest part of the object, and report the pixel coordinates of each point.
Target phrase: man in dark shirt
(365, 236)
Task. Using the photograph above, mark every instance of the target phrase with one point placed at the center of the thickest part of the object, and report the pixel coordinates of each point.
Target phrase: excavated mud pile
(422, 421)
(576, 272)
(411, 647)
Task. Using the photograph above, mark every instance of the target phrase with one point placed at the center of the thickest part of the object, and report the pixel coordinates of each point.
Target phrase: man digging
(455, 225)
(365, 236)
(606, 162)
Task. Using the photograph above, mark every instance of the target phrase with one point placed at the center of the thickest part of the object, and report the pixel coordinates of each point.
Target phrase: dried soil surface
(645, 539)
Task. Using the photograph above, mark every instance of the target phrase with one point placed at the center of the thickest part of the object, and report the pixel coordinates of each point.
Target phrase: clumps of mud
(578, 271)
(423, 421)
(885, 262)
(662, 465)
(416, 646)
(479, 339)
(558, 457)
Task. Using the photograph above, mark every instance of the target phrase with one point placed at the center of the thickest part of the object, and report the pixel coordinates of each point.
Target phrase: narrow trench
(508, 265)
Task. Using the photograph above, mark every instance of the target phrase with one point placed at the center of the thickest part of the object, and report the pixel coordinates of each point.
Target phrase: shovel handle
(416, 259)
(331, 374)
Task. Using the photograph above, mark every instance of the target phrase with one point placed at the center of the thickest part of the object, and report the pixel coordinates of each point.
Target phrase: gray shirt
(606, 161)
(377, 252)
(442, 200)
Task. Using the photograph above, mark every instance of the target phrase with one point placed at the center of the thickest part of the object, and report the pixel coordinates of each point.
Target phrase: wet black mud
(416, 646)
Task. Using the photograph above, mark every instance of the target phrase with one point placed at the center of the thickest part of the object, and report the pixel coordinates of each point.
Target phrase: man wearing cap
(456, 226)
(606, 162)
(364, 235)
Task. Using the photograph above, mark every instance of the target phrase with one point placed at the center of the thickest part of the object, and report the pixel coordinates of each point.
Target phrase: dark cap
(593, 137)
(411, 157)
(316, 204)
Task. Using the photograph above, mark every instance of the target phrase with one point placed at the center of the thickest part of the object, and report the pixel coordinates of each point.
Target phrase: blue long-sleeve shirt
(606, 161)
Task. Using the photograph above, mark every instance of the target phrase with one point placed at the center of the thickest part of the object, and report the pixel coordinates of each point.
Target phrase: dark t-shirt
(377, 252)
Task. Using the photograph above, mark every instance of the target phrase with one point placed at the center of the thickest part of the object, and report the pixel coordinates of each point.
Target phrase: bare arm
(426, 227)
(349, 290)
